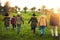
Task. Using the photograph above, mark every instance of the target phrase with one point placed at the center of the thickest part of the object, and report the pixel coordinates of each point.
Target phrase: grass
(25, 32)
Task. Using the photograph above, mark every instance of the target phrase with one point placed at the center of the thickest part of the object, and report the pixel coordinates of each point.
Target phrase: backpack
(18, 20)
(6, 20)
(13, 21)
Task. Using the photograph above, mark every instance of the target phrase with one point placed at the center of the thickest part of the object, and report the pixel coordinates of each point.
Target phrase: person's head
(33, 14)
(13, 16)
(6, 14)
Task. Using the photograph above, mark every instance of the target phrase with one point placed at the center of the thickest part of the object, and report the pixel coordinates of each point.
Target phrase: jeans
(42, 30)
(18, 25)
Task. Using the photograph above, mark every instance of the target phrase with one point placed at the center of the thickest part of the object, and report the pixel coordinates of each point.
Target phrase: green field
(25, 32)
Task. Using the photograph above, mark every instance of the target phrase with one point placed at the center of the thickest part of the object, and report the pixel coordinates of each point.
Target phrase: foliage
(25, 32)
(25, 9)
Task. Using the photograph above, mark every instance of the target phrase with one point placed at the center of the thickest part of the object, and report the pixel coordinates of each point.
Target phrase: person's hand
(23, 22)
(46, 25)
(38, 25)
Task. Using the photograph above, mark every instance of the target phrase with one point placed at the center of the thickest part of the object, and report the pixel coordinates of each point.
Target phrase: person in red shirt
(13, 22)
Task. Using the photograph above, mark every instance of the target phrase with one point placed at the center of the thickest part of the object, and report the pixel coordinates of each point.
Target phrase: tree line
(8, 9)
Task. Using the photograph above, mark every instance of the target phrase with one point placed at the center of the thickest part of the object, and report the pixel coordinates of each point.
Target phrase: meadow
(25, 31)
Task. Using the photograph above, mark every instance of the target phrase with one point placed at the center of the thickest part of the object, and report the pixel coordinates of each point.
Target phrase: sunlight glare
(37, 3)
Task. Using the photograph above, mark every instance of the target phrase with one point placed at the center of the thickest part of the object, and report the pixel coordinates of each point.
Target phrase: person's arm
(36, 20)
(29, 20)
(39, 22)
(46, 22)
(22, 20)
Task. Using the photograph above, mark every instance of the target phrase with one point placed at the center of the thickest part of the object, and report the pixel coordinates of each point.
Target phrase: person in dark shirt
(6, 21)
(33, 21)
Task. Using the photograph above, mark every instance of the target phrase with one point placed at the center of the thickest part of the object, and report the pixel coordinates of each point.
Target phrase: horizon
(34, 3)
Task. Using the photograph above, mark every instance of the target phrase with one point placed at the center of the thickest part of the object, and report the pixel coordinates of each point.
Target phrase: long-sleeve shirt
(42, 21)
(19, 20)
(33, 21)
(54, 19)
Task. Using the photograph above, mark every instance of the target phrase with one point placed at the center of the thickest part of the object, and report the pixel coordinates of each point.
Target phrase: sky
(31, 3)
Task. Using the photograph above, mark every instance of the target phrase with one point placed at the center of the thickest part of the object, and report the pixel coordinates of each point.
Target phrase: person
(19, 21)
(42, 23)
(33, 21)
(6, 21)
(54, 21)
(13, 22)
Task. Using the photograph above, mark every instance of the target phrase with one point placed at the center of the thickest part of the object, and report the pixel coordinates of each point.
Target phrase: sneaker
(7, 28)
(41, 35)
(56, 37)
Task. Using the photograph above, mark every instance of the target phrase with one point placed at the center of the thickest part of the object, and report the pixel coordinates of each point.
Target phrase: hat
(42, 15)
(33, 14)
(18, 13)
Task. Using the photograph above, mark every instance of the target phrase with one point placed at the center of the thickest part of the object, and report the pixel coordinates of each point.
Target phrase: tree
(43, 8)
(0, 7)
(38, 10)
(25, 9)
(16, 7)
(33, 9)
(6, 7)
(46, 11)
(12, 9)
(52, 10)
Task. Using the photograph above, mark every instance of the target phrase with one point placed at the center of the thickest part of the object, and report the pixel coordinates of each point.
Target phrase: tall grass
(25, 31)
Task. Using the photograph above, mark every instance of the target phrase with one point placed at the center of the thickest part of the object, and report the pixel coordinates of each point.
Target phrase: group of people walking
(15, 20)
(42, 23)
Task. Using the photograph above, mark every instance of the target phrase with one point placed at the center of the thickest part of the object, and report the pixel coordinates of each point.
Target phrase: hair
(13, 16)
(33, 14)
(6, 14)
(18, 15)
